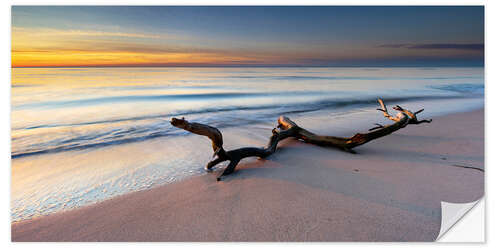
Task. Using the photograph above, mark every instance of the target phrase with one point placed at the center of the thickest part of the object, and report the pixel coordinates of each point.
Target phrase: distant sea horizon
(473, 65)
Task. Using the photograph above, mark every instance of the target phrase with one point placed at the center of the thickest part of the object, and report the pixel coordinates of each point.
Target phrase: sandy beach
(390, 191)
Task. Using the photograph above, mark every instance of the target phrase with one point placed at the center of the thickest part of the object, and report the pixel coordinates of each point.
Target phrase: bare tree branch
(288, 128)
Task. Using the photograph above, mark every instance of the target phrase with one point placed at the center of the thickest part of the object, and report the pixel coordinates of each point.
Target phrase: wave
(155, 98)
(461, 88)
(139, 128)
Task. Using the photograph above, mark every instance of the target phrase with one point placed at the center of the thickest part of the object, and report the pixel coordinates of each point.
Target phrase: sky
(71, 36)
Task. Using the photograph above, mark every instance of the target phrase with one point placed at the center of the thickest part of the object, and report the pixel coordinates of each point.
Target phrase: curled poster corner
(451, 213)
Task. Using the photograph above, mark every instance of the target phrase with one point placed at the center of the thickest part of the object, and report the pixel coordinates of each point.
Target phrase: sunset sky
(247, 36)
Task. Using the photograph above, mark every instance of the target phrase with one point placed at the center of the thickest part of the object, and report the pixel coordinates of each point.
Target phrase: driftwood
(287, 128)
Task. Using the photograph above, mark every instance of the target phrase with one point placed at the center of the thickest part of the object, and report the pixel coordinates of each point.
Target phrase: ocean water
(81, 135)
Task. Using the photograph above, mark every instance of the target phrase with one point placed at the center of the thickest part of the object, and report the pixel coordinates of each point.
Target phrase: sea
(83, 135)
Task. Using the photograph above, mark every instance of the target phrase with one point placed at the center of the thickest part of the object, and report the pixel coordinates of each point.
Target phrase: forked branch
(403, 118)
(288, 128)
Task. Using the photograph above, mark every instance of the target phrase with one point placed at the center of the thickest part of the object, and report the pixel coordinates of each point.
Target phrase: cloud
(45, 32)
(397, 45)
(470, 46)
(441, 46)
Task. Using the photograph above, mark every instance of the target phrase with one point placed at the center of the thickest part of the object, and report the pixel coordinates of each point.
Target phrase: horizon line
(256, 66)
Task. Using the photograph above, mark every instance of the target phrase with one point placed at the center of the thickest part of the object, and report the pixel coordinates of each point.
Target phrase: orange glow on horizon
(59, 48)
(42, 47)
(112, 58)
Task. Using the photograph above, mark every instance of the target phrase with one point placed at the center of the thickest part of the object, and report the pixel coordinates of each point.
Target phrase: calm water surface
(80, 135)
(56, 109)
